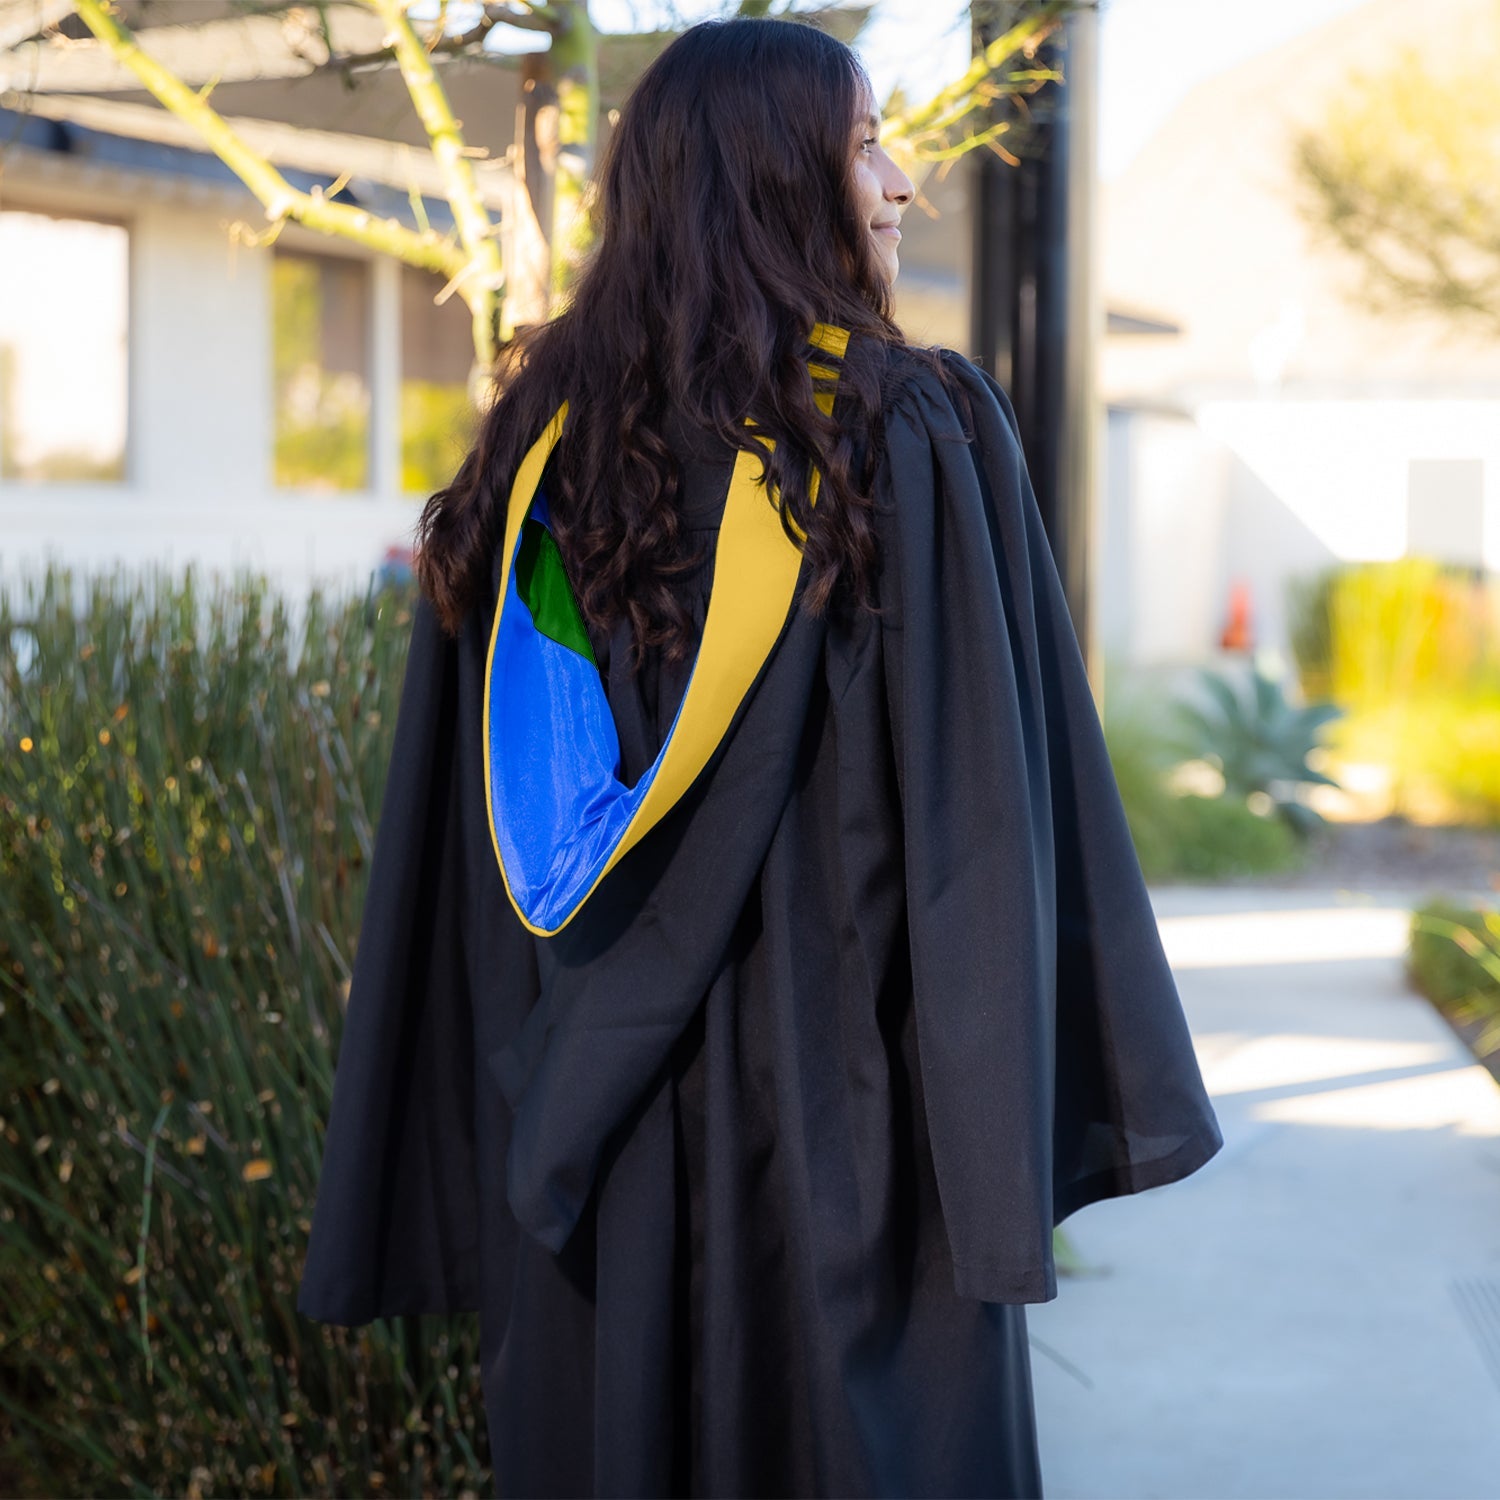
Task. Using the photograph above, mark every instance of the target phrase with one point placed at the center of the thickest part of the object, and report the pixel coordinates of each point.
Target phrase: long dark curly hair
(725, 228)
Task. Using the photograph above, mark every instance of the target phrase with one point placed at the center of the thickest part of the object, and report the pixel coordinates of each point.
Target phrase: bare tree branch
(280, 199)
(1402, 175)
(467, 43)
(925, 129)
(484, 273)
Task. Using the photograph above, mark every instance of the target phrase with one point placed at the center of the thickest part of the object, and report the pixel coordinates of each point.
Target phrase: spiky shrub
(1310, 628)
(1179, 836)
(1409, 629)
(1368, 634)
(1453, 958)
(1259, 741)
(1411, 650)
(188, 787)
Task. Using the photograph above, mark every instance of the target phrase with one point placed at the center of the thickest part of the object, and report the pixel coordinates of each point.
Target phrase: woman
(756, 965)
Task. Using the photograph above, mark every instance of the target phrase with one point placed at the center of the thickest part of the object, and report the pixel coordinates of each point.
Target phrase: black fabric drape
(750, 1170)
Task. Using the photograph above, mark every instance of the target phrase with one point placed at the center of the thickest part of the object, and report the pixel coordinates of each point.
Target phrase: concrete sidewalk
(1316, 1312)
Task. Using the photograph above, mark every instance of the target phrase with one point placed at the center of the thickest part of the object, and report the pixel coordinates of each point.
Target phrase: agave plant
(1259, 741)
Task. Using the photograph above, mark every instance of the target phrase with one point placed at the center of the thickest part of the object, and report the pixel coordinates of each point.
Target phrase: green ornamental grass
(189, 785)
(1411, 650)
(1453, 958)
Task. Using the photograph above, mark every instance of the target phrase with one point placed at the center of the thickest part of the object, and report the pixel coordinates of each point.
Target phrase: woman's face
(881, 189)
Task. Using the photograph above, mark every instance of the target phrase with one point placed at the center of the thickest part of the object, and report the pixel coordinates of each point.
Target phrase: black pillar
(1035, 316)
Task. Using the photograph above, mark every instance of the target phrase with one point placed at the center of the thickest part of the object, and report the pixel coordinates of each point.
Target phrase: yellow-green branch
(485, 280)
(281, 200)
(575, 61)
(967, 92)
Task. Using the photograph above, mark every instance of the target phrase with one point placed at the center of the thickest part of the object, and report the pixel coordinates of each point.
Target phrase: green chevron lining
(542, 582)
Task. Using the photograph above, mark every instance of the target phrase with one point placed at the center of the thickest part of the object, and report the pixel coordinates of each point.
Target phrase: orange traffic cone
(1238, 634)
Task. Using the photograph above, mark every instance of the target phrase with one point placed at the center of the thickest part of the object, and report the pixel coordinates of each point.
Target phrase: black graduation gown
(750, 1170)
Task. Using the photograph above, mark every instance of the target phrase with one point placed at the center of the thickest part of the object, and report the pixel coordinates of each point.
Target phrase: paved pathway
(1316, 1312)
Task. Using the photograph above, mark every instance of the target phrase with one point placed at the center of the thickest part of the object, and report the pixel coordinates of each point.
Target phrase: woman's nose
(900, 188)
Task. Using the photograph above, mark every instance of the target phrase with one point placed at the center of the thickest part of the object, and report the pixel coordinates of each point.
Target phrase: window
(64, 298)
(438, 425)
(321, 364)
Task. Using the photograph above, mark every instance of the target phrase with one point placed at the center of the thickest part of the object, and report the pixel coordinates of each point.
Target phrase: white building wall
(1270, 489)
(200, 435)
(200, 368)
(1175, 594)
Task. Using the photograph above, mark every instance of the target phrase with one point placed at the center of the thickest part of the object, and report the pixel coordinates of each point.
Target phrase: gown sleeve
(1055, 1055)
(396, 1225)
